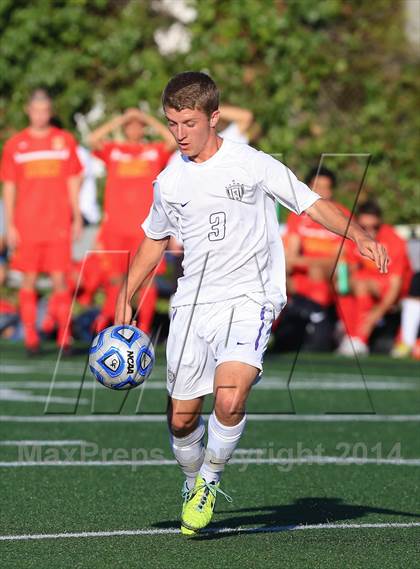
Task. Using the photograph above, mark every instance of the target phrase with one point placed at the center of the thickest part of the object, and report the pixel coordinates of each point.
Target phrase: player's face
(134, 131)
(39, 114)
(191, 129)
(322, 185)
(370, 223)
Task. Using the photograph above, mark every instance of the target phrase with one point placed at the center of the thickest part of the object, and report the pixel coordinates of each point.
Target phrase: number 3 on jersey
(218, 226)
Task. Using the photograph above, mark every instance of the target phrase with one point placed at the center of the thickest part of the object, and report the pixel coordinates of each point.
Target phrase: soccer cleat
(198, 509)
(351, 345)
(185, 493)
(346, 347)
(401, 350)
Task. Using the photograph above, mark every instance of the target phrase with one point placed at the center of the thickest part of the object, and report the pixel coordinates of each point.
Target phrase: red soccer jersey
(131, 168)
(40, 168)
(316, 241)
(399, 263)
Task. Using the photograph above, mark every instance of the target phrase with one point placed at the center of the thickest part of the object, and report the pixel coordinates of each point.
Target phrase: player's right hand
(374, 251)
(12, 237)
(123, 311)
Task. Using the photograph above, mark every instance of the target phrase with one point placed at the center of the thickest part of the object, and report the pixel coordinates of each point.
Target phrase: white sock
(222, 441)
(189, 452)
(410, 319)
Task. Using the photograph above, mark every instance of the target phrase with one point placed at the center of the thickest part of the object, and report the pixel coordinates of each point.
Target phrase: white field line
(7, 394)
(169, 531)
(265, 384)
(63, 368)
(67, 368)
(315, 459)
(57, 443)
(160, 418)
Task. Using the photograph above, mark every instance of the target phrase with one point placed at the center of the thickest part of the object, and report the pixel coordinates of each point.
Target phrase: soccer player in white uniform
(218, 198)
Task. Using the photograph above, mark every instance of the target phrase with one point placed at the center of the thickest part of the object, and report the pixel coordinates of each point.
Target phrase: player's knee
(183, 424)
(227, 405)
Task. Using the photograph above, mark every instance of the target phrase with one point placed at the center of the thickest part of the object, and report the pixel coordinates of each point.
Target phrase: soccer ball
(121, 357)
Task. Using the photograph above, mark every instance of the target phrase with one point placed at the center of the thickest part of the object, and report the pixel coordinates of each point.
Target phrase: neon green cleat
(198, 508)
(185, 493)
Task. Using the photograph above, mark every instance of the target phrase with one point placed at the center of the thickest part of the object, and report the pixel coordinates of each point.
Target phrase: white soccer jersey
(223, 212)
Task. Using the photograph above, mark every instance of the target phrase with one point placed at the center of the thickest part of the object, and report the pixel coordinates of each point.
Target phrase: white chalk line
(265, 384)
(8, 394)
(225, 530)
(43, 442)
(68, 368)
(160, 418)
(315, 459)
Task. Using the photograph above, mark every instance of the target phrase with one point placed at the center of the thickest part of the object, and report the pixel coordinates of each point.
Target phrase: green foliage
(321, 76)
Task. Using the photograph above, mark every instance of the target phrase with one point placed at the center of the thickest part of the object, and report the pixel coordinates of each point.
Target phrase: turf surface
(335, 444)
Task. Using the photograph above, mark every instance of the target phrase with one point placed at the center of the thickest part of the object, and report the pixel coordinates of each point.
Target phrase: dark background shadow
(284, 517)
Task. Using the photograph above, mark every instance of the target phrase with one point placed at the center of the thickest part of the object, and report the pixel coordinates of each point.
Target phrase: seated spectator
(311, 254)
(372, 295)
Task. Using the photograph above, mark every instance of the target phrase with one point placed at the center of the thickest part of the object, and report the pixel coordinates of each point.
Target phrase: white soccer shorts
(203, 336)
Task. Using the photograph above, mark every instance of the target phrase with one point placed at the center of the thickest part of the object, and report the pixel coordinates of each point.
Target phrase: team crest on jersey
(171, 376)
(58, 142)
(235, 190)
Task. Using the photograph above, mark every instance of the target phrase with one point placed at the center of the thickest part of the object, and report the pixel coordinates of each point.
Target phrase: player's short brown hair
(191, 90)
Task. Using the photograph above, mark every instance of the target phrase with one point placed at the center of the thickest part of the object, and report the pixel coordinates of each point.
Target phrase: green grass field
(327, 474)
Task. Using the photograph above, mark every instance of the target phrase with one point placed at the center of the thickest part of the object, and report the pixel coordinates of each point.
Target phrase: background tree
(321, 76)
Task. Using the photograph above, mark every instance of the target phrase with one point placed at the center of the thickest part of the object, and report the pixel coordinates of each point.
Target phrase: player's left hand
(373, 250)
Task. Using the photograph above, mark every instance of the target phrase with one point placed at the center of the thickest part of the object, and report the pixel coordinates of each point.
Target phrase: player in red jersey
(310, 248)
(41, 178)
(373, 294)
(132, 166)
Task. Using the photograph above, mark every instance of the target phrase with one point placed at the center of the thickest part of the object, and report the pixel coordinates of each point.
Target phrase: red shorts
(120, 250)
(320, 292)
(42, 257)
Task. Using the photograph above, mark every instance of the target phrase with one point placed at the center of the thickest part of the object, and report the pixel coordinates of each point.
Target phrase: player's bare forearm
(243, 117)
(74, 183)
(9, 196)
(327, 214)
(392, 294)
(144, 262)
(160, 129)
(9, 200)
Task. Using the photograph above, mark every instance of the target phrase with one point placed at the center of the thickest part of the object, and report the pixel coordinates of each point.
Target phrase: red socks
(106, 317)
(59, 308)
(353, 311)
(347, 313)
(28, 308)
(364, 304)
